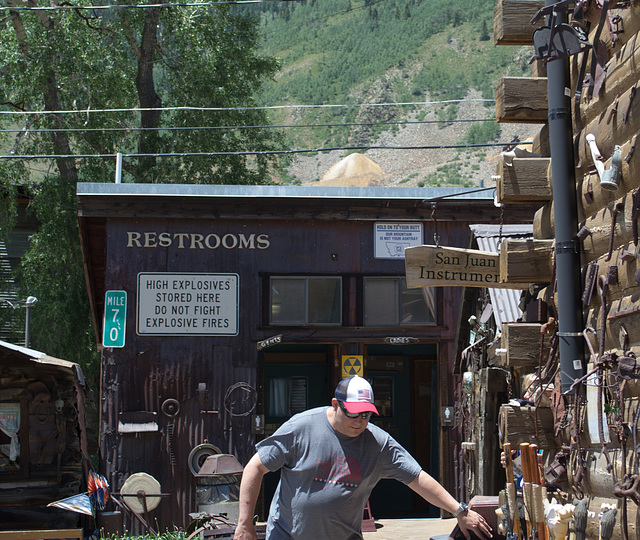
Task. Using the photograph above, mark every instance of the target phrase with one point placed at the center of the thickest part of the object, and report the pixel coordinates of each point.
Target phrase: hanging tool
(511, 491)
(527, 491)
(539, 493)
(171, 408)
(580, 515)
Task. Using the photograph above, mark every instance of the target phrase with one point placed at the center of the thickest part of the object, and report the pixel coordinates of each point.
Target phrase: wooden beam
(272, 208)
(523, 179)
(522, 100)
(617, 124)
(522, 342)
(526, 261)
(622, 327)
(626, 262)
(538, 68)
(541, 144)
(601, 224)
(543, 226)
(621, 65)
(41, 533)
(592, 198)
(512, 21)
(595, 202)
(527, 425)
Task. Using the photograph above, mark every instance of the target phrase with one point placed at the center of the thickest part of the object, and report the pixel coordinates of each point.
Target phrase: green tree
(484, 31)
(482, 132)
(161, 67)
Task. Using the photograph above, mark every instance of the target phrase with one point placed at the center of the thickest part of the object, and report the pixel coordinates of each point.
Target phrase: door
(405, 390)
(296, 378)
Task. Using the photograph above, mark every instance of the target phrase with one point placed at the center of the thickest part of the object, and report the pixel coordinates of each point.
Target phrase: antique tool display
(140, 494)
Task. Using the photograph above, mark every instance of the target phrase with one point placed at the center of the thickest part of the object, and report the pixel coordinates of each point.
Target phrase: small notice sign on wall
(352, 365)
(187, 304)
(391, 239)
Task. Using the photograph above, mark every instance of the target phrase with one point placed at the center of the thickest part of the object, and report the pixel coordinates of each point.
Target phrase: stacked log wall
(608, 239)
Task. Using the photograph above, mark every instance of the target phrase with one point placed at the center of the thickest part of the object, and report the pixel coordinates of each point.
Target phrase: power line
(259, 152)
(254, 108)
(281, 126)
(141, 6)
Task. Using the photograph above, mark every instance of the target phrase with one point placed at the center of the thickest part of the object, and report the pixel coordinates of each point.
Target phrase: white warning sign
(187, 304)
(391, 239)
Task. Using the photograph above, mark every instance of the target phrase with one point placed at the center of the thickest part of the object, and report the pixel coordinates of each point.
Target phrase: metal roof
(305, 192)
(506, 302)
(37, 356)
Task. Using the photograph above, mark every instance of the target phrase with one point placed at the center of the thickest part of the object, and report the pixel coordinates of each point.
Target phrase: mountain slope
(344, 53)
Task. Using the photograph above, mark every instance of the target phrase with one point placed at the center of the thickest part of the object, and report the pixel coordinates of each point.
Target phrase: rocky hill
(416, 168)
(447, 61)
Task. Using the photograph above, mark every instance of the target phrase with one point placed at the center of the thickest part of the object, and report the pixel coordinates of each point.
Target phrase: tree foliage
(82, 84)
(359, 51)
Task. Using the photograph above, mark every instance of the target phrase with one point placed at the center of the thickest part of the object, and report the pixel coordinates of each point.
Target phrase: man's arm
(432, 491)
(249, 491)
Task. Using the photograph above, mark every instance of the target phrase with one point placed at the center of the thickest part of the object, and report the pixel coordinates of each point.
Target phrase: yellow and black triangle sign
(352, 365)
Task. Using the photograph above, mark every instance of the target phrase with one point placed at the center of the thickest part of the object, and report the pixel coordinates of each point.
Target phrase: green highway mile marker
(115, 314)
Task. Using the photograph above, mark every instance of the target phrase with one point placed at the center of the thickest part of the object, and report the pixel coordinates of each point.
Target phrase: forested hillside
(343, 53)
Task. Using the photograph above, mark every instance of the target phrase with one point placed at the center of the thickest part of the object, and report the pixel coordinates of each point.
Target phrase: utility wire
(255, 108)
(142, 6)
(260, 152)
(282, 126)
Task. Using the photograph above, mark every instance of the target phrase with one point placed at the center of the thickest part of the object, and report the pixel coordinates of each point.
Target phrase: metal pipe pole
(567, 250)
(119, 168)
(29, 303)
(27, 326)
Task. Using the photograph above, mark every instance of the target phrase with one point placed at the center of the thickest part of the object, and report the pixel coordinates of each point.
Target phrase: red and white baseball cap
(356, 394)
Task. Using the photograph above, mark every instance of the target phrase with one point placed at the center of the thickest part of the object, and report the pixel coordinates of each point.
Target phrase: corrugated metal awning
(441, 194)
(505, 302)
(37, 356)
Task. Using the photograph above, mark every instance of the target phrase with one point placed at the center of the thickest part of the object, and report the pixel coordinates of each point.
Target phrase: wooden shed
(224, 310)
(43, 443)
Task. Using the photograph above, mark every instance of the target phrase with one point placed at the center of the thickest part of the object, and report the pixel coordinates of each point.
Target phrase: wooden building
(225, 309)
(43, 438)
(12, 248)
(588, 432)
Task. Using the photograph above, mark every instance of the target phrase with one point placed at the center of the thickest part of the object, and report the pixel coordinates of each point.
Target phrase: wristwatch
(462, 508)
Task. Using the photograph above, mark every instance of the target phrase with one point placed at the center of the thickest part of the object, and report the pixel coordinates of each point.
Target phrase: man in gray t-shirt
(330, 459)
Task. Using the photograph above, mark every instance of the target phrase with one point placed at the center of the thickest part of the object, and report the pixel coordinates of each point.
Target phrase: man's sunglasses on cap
(365, 415)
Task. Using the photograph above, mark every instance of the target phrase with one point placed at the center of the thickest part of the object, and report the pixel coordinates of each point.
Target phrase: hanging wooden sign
(438, 266)
(264, 343)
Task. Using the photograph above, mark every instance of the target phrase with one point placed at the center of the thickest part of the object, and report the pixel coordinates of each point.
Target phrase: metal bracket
(570, 246)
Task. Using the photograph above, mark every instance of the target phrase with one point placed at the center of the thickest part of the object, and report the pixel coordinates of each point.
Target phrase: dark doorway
(296, 378)
(405, 388)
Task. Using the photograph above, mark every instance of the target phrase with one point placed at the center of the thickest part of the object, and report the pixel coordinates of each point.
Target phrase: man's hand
(245, 533)
(470, 521)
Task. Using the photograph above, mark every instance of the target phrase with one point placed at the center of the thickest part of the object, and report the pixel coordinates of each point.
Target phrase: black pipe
(567, 250)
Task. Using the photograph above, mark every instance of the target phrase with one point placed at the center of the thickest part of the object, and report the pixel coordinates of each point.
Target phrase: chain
(436, 236)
